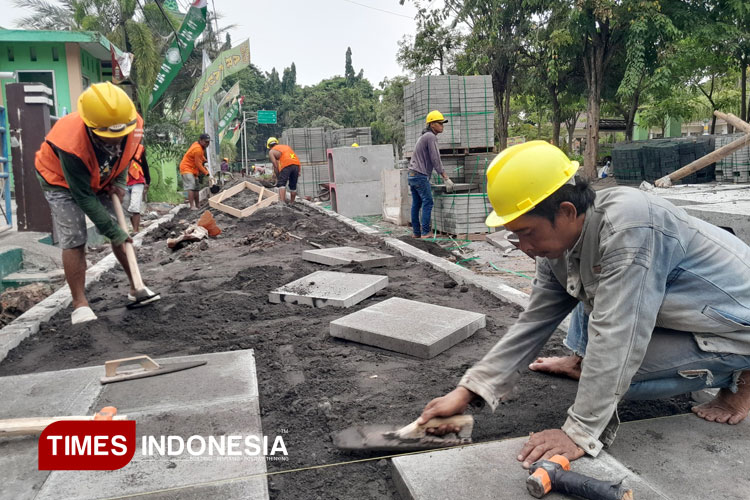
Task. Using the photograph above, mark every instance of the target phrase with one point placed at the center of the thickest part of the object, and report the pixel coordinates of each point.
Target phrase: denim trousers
(421, 198)
(673, 363)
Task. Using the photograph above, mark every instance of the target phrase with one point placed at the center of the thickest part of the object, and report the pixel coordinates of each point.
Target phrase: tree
(349, 68)
(388, 126)
(289, 80)
(433, 48)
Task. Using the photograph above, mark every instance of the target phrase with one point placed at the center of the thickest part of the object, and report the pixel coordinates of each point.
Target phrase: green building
(66, 61)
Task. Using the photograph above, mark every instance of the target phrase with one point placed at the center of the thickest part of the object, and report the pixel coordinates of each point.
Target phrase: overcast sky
(314, 34)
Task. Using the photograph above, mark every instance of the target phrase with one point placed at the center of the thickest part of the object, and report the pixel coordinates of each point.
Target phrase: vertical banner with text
(178, 52)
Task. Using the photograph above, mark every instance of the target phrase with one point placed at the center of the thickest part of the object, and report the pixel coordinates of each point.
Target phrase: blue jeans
(421, 197)
(673, 363)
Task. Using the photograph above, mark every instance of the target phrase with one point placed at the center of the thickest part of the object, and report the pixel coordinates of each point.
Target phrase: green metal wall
(21, 52)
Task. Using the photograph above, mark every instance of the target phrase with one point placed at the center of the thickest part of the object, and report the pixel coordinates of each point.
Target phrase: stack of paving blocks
(461, 213)
(467, 144)
(736, 166)
(635, 162)
(467, 103)
(355, 174)
(362, 136)
(310, 145)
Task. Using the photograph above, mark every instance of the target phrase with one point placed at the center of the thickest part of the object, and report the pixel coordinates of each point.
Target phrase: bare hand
(546, 444)
(453, 403)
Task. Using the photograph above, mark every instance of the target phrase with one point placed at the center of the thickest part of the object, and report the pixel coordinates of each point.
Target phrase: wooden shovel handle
(129, 251)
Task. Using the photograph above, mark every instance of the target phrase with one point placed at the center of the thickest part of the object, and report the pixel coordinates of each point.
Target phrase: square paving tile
(409, 327)
(328, 288)
(346, 255)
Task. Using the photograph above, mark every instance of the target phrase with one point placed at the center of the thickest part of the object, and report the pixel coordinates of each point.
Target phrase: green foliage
(349, 67)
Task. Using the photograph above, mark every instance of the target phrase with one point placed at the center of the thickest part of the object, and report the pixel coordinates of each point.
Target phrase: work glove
(448, 186)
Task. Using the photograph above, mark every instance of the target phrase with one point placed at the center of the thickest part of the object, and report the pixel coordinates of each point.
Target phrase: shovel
(412, 437)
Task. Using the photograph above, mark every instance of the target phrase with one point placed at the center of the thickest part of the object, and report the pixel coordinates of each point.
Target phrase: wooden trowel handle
(457, 420)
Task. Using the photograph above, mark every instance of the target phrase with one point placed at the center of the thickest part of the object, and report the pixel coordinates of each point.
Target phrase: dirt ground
(215, 298)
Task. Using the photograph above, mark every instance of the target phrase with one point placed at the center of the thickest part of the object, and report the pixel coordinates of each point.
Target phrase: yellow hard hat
(271, 141)
(522, 176)
(435, 116)
(107, 110)
(355, 145)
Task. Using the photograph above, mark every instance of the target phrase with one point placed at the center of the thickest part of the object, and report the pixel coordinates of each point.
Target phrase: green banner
(229, 116)
(179, 51)
(227, 63)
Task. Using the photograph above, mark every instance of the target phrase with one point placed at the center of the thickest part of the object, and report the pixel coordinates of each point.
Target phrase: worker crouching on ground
(286, 167)
(663, 302)
(425, 159)
(139, 180)
(193, 165)
(84, 158)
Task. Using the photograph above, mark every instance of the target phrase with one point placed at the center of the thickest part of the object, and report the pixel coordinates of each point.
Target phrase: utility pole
(244, 132)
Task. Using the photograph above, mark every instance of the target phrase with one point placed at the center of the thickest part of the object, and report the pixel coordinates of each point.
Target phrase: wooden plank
(31, 426)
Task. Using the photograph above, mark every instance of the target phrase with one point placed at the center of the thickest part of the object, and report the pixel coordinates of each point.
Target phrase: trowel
(147, 367)
(412, 437)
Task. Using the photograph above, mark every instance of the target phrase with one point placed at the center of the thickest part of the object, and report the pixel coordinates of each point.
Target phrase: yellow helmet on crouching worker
(435, 116)
(355, 145)
(271, 141)
(107, 110)
(520, 177)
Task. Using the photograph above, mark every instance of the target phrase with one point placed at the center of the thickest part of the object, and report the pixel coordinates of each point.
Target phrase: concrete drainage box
(328, 288)
(347, 255)
(409, 327)
(356, 177)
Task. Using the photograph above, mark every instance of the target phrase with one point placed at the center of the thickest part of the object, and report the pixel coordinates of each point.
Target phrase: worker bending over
(286, 167)
(664, 302)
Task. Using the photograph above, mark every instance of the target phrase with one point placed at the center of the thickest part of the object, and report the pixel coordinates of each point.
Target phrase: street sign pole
(244, 135)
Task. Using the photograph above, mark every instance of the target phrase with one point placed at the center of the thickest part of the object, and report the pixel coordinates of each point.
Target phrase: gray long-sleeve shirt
(426, 157)
(639, 263)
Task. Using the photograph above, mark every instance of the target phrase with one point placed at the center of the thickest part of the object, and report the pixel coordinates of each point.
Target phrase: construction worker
(425, 159)
(664, 302)
(139, 179)
(193, 165)
(84, 158)
(286, 167)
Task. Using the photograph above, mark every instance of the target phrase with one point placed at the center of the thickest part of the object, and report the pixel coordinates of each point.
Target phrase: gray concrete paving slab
(227, 376)
(409, 327)
(707, 196)
(732, 215)
(346, 255)
(220, 400)
(490, 471)
(47, 394)
(688, 456)
(329, 288)
(155, 473)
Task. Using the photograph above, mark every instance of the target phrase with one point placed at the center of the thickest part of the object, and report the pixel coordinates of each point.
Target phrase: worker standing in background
(660, 301)
(286, 167)
(139, 180)
(425, 159)
(84, 158)
(193, 164)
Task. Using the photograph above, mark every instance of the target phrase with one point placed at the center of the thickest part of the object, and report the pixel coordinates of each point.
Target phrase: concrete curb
(29, 322)
(493, 285)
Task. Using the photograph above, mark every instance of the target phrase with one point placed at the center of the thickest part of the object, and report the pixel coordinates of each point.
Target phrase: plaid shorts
(69, 219)
(190, 183)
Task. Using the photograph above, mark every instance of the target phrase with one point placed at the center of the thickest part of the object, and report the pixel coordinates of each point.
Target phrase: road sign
(266, 117)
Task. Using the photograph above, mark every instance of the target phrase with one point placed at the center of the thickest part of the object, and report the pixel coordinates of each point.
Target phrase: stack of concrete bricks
(310, 145)
(734, 167)
(467, 143)
(467, 103)
(362, 136)
(461, 213)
